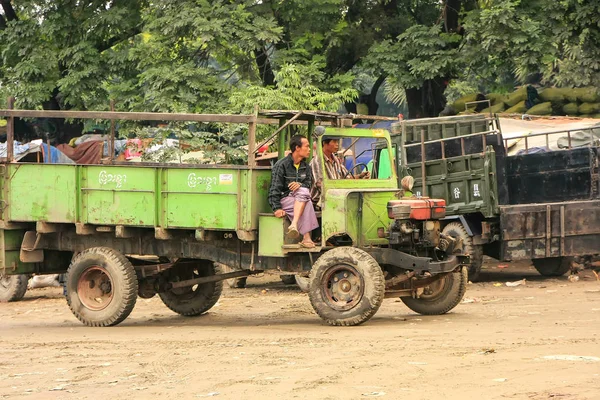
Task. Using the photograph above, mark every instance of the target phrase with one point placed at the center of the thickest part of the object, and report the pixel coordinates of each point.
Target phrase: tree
(557, 41)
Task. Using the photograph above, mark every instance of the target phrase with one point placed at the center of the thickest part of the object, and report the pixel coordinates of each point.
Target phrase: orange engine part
(421, 209)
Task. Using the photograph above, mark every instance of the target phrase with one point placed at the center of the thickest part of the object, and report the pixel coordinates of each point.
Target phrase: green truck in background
(122, 231)
(542, 206)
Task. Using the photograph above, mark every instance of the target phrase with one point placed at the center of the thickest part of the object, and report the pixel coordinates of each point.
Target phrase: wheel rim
(188, 292)
(94, 288)
(434, 290)
(343, 287)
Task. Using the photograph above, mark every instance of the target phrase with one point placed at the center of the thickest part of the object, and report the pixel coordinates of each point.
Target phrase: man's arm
(277, 186)
(307, 182)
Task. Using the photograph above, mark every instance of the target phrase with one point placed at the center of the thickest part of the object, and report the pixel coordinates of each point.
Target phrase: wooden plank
(252, 139)
(10, 132)
(129, 116)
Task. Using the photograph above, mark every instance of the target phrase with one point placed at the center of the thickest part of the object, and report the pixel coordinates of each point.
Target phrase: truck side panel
(41, 192)
(139, 196)
(550, 230)
(118, 195)
(467, 183)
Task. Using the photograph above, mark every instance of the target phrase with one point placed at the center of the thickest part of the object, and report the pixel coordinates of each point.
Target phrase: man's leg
(304, 218)
(298, 210)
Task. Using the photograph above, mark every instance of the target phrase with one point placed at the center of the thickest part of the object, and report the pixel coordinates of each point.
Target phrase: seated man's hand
(279, 213)
(364, 175)
(293, 186)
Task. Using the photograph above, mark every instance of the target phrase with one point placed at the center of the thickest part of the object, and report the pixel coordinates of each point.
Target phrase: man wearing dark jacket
(289, 194)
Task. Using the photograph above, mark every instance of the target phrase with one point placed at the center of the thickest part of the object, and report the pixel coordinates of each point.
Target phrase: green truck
(122, 231)
(541, 205)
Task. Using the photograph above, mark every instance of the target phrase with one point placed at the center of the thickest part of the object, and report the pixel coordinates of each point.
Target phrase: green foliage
(294, 91)
(558, 39)
(419, 54)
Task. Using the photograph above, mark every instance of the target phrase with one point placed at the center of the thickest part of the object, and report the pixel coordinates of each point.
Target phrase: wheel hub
(434, 289)
(94, 288)
(343, 287)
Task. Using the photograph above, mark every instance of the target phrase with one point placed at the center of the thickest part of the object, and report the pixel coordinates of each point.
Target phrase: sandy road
(540, 340)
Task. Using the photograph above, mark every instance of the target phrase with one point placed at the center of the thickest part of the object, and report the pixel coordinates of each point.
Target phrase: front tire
(458, 231)
(441, 296)
(555, 266)
(347, 286)
(194, 300)
(12, 287)
(102, 287)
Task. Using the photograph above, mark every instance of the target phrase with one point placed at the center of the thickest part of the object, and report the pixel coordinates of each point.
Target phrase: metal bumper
(417, 264)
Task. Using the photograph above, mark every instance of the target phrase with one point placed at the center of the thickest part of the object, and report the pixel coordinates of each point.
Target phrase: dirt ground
(538, 340)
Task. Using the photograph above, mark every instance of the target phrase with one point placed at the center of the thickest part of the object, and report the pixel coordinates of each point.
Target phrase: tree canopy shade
(224, 55)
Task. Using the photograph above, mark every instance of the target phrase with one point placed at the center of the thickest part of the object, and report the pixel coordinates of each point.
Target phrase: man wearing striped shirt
(333, 167)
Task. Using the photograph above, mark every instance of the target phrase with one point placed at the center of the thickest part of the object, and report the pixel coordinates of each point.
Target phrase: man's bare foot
(309, 244)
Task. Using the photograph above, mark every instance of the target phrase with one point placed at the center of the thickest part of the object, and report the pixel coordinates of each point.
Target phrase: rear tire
(446, 294)
(347, 286)
(12, 287)
(303, 283)
(101, 286)
(288, 279)
(555, 266)
(194, 300)
(233, 283)
(458, 231)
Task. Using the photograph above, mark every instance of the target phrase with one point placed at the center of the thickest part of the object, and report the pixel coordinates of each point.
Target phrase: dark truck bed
(528, 206)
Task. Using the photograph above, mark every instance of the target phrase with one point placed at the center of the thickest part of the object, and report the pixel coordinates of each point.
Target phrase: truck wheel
(303, 283)
(441, 296)
(457, 230)
(288, 279)
(234, 283)
(101, 286)
(193, 300)
(554, 266)
(12, 287)
(346, 286)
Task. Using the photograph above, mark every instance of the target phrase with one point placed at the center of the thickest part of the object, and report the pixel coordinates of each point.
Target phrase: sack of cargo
(589, 108)
(571, 109)
(582, 95)
(459, 105)
(589, 95)
(516, 97)
(554, 95)
(498, 108)
(541, 109)
(518, 108)
(496, 98)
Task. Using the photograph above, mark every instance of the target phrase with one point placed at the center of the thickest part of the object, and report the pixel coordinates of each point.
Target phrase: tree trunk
(427, 100)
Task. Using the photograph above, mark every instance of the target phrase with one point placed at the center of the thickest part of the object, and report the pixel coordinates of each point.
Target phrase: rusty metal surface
(550, 230)
(213, 278)
(420, 264)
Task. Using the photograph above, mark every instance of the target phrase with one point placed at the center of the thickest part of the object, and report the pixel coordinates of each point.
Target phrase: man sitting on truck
(289, 194)
(333, 167)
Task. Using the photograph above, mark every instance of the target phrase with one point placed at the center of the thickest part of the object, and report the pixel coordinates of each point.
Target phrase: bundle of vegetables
(541, 109)
(518, 108)
(497, 108)
(589, 108)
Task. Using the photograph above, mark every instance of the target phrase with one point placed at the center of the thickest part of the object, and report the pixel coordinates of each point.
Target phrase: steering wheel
(353, 168)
